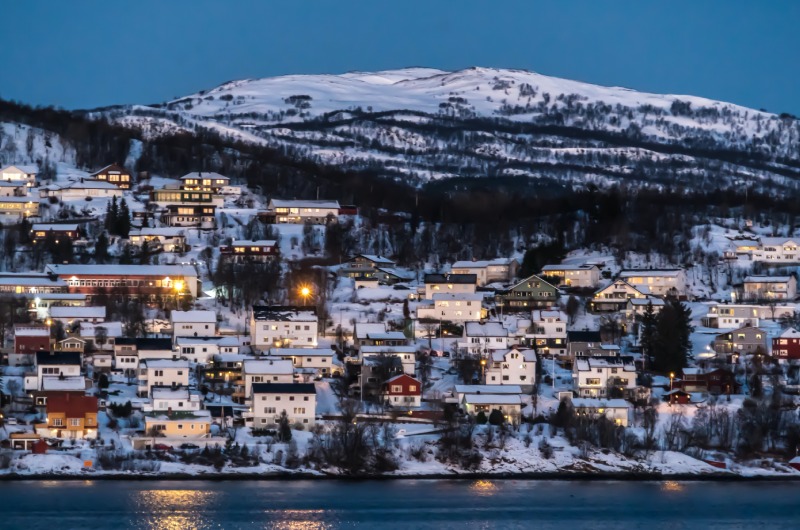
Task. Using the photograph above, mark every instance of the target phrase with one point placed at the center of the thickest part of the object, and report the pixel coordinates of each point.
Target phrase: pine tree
(112, 214)
(125, 258)
(101, 248)
(673, 342)
(123, 219)
(648, 334)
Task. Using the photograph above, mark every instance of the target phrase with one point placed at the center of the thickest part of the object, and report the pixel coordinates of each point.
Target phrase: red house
(27, 341)
(716, 381)
(787, 345)
(403, 391)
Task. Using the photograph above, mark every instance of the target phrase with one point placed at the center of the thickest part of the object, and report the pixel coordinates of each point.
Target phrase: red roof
(405, 381)
(71, 405)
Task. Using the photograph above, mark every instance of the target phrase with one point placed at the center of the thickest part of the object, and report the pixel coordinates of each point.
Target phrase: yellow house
(70, 415)
(178, 424)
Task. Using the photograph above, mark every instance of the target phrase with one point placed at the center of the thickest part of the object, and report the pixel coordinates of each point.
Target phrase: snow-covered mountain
(419, 124)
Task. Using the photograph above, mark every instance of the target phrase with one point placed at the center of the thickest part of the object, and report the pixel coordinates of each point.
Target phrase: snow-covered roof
(767, 279)
(482, 264)
(564, 267)
(56, 227)
(777, 241)
(167, 392)
(488, 389)
(30, 279)
(387, 335)
(78, 312)
(541, 314)
(363, 329)
(28, 169)
(182, 317)
(492, 399)
(644, 301)
(528, 356)
(75, 383)
(31, 332)
(595, 403)
(19, 199)
(189, 341)
(377, 350)
(124, 270)
(653, 273)
(790, 333)
(56, 296)
(89, 330)
(165, 363)
(163, 231)
(284, 203)
(377, 259)
(486, 329)
(258, 243)
(271, 366)
(591, 363)
(84, 184)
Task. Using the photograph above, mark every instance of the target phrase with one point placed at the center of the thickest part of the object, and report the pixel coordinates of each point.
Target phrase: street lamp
(671, 377)
(483, 370)
(305, 292)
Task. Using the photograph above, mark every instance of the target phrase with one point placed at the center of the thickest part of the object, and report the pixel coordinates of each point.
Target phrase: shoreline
(548, 476)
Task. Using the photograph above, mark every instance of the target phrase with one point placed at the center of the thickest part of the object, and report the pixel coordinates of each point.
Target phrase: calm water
(56, 505)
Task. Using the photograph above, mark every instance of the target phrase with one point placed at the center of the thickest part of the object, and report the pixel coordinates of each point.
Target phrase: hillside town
(188, 323)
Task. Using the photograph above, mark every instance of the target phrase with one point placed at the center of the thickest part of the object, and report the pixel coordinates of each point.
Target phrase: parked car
(162, 447)
(189, 447)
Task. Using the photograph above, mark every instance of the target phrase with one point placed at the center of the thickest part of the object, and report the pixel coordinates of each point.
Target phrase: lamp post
(671, 377)
(483, 370)
(305, 292)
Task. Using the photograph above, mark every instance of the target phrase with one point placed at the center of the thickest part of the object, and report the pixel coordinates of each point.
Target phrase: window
(299, 410)
(593, 381)
(58, 422)
(305, 398)
(269, 410)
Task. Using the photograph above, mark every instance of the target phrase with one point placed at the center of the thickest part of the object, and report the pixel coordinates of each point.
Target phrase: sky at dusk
(84, 54)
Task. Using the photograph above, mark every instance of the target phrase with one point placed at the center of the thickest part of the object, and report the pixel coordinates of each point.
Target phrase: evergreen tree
(284, 429)
(101, 248)
(125, 258)
(123, 224)
(648, 334)
(673, 342)
(144, 254)
(112, 214)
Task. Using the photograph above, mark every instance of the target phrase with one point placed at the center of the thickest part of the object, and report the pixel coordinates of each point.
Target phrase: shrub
(496, 417)
(481, 418)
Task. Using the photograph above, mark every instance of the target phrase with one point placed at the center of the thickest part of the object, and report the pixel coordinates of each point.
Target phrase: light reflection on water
(174, 509)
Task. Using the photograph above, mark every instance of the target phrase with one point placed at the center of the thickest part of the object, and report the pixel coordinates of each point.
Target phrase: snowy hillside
(418, 124)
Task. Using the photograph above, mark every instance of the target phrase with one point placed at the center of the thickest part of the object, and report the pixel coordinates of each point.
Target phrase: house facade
(267, 371)
(69, 416)
(303, 211)
(599, 377)
(747, 339)
(162, 373)
(657, 282)
(168, 239)
(618, 411)
(403, 391)
(449, 284)
(787, 345)
(149, 281)
(241, 251)
(770, 288)
(776, 250)
(25, 175)
(578, 276)
(270, 400)
(283, 326)
(530, 293)
(614, 297)
(483, 338)
(488, 271)
(194, 323)
(512, 367)
(114, 174)
(452, 307)
(14, 209)
(190, 216)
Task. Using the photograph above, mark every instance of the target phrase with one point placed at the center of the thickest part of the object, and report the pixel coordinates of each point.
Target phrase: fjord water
(437, 504)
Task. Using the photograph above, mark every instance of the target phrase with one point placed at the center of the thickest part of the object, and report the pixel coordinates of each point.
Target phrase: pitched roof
(268, 366)
(193, 316)
(78, 312)
(485, 329)
(111, 169)
(285, 203)
(462, 279)
(204, 175)
(123, 270)
(284, 313)
(73, 406)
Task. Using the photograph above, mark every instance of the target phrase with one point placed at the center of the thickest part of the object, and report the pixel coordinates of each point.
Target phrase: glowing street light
(671, 377)
(305, 292)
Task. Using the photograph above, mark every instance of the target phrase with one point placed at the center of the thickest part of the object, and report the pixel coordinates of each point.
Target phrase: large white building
(193, 323)
(658, 282)
(512, 367)
(548, 331)
(302, 211)
(770, 288)
(488, 271)
(597, 376)
(777, 250)
(162, 372)
(483, 338)
(20, 174)
(268, 401)
(582, 276)
(452, 307)
(283, 326)
(266, 370)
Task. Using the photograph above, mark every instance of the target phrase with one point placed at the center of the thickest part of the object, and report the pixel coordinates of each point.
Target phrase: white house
(770, 287)
(162, 372)
(582, 276)
(597, 376)
(13, 189)
(618, 411)
(166, 238)
(461, 390)
(270, 371)
(406, 354)
(450, 284)
(509, 404)
(20, 174)
(512, 367)
(81, 189)
(614, 297)
(452, 307)
(733, 316)
(487, 271)
(270, 400)
(776, 250)
(319, 361)
(302, 211)
(53, 366)
(658, 282)
(194, 323)
(283, 326)
(173, 398)
(483, 338)
(204, 181)
(548, 331)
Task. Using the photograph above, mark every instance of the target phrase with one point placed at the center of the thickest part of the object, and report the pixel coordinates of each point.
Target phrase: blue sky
(82, 54)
